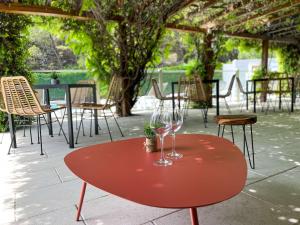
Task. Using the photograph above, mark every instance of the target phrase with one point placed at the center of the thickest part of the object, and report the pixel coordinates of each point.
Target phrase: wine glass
(177, 122)
(161, 123)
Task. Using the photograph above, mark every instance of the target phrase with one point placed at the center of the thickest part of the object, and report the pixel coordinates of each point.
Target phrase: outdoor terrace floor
(38, 190)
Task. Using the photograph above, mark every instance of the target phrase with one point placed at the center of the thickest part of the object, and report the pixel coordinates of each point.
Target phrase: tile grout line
(59, 177)
(15, 207)
(273, 175)
(260, 199)
(152, 221)
(81, 216)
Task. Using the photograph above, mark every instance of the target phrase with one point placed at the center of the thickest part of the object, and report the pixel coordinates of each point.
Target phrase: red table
(211, 171)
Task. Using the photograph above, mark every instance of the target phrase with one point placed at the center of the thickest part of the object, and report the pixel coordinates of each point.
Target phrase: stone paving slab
(113, 210)
(285, 185)
(240, 210)
(62, 216)
(41, 190)
(35, 202)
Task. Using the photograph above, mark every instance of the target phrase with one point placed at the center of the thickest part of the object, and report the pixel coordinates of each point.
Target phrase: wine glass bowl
(161, 123)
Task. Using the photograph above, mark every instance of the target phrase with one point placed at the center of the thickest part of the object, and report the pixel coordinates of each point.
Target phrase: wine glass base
(174, 155)
(163, 162)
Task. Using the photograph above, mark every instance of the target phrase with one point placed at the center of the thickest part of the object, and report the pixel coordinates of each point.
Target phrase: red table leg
(81, 200)
(194, 216)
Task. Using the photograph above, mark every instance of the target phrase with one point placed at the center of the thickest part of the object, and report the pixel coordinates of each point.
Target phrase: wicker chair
(79, 96)
(20, 99)
(158, 93)
(113, 98)
(192, 89)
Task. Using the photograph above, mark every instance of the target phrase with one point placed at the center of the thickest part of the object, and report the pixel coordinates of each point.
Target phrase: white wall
(245, 68)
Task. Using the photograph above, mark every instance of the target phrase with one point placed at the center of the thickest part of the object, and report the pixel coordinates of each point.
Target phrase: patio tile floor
(38, 190)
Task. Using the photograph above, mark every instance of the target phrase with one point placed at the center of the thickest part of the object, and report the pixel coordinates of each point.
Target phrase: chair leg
(31, 142)
(76, 125)
(61, 128)
(246, 148)
(83, 134)
(204, 116)
(24, 128)
(80, 123)
(40, 134)
(223, 130)
(252, 146)
(107, 126)
(219, 127)
(47, 123)
(91, 123)
(11, 142)
(62, 121)
(232, 135)
(117, 123)
(227, 106)
(37, 128)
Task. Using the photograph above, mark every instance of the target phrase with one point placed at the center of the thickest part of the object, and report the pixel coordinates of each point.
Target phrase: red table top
(212, 170)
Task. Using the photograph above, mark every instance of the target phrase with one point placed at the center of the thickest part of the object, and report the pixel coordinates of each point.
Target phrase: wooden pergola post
(265, 56)
(264, 67)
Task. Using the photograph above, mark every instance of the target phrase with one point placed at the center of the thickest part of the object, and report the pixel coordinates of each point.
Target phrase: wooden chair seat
(96, 106)
(242, 119)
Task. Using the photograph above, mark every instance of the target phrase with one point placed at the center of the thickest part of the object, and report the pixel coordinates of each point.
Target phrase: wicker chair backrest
(19, 98)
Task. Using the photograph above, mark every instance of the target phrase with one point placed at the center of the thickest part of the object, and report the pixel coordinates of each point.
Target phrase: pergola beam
(283, 29)
(173, 26)
(15, 8)
(219, 15)
(265, 13)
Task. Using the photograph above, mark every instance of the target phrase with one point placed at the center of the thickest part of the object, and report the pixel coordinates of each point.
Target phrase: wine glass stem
(173, 141)
(162, 155)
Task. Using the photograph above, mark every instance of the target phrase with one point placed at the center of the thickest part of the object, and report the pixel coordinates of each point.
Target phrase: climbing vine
(13, 54)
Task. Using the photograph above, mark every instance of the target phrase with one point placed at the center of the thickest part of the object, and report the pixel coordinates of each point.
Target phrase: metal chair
(20, 99)
(241, 89)
(228, 93)
(192, 89)
(158, 94)
(114, 97)
(79, 96)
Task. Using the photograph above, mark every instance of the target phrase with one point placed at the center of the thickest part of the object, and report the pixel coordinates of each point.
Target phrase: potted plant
(54, 78)
(150, 142)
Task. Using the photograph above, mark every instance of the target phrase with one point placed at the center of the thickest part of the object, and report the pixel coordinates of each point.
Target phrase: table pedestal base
(194, 216)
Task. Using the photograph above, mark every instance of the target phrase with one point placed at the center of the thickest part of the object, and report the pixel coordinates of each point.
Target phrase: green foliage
(196, 67)
(54, 75)
(13, 41)
(13, 54)
(46, 50)
(258, 73)
(148, 131)
(289, 59)
(247, 49)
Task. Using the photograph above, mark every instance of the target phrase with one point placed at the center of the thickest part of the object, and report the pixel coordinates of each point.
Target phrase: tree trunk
(208, 60)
